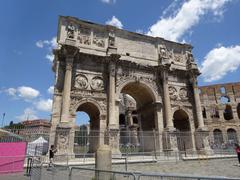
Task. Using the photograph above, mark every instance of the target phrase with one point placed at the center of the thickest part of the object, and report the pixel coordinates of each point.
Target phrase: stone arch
(94, 110)
(182, 124)
(218, 138)
(78, 103)
(228, 114)
(150, 89)
(204, 113)
(238, 110)
(143, 122)
(232, 136)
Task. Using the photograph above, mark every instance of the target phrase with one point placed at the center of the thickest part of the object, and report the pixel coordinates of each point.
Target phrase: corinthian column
(197, 104)
(69, 53)
(167, 104)
(111, 95)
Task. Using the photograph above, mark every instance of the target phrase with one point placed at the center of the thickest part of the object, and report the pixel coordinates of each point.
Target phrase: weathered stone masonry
(95, 64)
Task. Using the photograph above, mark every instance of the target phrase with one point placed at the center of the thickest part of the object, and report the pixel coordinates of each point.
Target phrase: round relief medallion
(183, 93)
(97, 83)
(81, 82)
(172, 92)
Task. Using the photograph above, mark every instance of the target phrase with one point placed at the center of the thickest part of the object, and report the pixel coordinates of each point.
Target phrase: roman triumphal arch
(95, 64)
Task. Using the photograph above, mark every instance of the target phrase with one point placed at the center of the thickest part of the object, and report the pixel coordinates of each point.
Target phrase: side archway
(182, 125)
(87, 136)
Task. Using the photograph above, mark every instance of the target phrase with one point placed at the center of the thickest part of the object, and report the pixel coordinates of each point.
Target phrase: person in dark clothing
(52, 150)
(237, 148)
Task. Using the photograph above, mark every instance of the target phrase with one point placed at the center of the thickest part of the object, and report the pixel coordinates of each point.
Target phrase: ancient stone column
(69, 52)
(67, 90)
(197, 103)
(111, 95)
(167, 104)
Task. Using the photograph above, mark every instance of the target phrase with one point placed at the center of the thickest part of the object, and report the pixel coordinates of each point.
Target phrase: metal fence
(85, 173)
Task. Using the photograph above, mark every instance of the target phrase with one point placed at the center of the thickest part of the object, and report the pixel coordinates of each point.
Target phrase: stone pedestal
(103, 161)
(170, 141)
(64, 141)
(202, 142)
(113, 141)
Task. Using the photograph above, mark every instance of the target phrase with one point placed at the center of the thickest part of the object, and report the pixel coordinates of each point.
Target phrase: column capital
(70, 51)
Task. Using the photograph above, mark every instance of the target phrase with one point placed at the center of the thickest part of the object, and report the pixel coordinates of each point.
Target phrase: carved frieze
(172, 92)
(84, 36)
(178, 58)
(183, 94)
(97, 83)
(98, 40)
(81, 82)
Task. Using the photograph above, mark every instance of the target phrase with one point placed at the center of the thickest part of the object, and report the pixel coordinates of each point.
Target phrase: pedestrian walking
(237, 148)
(52, 151)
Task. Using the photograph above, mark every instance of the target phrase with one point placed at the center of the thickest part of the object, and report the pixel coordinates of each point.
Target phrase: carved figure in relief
(84, 40)
(111, 39)
(183, 93)
(97, 83)
(172, 92)
(98, 42)
(81, 82)
(70, 31)
(189, 57)
(62, 141)
(178, 58)
(163, 51)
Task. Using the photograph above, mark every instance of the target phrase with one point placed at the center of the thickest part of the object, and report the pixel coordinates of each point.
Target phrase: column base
(113, 141)
(63, 141)
(202, 142)
(170, 140)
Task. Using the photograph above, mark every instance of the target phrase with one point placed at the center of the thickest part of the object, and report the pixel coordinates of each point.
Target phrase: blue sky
(28, 31)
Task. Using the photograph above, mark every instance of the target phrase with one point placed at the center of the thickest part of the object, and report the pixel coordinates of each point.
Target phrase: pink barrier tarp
(12, 155)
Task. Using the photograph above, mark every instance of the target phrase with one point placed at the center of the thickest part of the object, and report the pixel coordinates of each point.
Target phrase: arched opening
(138, 101)
(222, 90)
(238, 110)
(224, 99)
(228, 114)
(204, 114)
(182, 125)
(87, 128)
(218, 139)
(232, 137)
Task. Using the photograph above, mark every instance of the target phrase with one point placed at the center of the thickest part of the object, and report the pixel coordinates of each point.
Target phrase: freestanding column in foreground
(103, 161)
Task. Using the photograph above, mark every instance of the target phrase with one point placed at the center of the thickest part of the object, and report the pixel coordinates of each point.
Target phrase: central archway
(182, 125)
(87, 135)
(138, 119)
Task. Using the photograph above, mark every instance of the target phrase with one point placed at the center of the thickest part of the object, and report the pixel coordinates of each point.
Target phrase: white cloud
(50, 57)
(28, 113)
(115, 22)
(51, 90)
(49, 44)
(108, 1)
(188, 15)
(39, 44)
(27, 93)
(44, 105)
(220, 61)
(11, 91)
